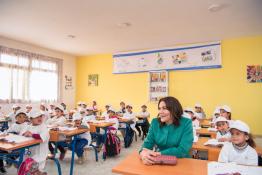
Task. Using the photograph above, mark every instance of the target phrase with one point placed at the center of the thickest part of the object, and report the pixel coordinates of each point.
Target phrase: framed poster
(93, 80)
(158, 85)
(254, 73)
(189, 57)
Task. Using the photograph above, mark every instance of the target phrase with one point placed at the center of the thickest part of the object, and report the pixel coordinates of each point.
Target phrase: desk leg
(73, 156)
(21, 156)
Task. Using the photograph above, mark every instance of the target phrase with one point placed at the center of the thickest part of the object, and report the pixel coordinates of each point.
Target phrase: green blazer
(170, 139)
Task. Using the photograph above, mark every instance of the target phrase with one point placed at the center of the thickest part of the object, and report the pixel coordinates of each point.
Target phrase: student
(199, 112)
(105, 113)
(38, 130)
(1, 113)
(56, 121)
(241, 149)
(122, 109)
(94, 106)
(89, 115)
(52, 110)
(113, 118)
(129, 115)
(20, 123)
(223, 133)
(193, 117)
(11, 116)
(216, 114)
(66, 114)
(143, 121)
(79, 105)
(83, 140)
(225, 111)
(28, 108)
(44, 111)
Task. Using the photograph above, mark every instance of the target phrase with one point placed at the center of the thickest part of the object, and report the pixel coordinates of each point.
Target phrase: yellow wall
(211, 87)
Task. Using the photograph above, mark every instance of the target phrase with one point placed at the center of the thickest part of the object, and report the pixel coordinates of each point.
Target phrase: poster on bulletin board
(158, 85)
(196, 56)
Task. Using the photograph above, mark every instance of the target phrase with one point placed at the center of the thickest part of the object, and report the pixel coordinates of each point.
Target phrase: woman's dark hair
(174, 107)
(251, 141)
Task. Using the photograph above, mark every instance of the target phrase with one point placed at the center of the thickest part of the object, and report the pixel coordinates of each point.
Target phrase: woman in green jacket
(170, 133)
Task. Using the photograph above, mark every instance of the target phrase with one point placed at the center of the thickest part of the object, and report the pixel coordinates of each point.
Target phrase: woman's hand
(147, 156)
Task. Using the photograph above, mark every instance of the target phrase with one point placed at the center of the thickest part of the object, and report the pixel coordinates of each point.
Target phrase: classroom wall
(69, 65)
(210, 87)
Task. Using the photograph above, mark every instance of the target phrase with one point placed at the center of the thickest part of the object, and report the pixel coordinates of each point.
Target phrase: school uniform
(45, 114)
(226, 134)
(130, 116)
(143, 123)
(11, 118)
(56, 121)
(16, 128)
(229, 153)
(105, 114)
(200, 115)
(114, 119)
(82, 141)
(39, 153)
(195, 123)
(89, 118)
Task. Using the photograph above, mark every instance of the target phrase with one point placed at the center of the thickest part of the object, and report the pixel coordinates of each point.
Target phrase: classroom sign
(197, 56)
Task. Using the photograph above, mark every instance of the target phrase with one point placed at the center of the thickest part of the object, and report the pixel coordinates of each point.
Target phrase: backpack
(28, 167)
(129, 136)
(112, 145)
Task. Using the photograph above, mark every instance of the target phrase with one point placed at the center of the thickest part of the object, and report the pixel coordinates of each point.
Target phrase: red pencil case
(166, 160)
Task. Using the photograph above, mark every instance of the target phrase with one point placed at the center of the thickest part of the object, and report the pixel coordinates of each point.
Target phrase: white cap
(19, 112)
(28, 105)
(198, 105)
(43, 104)
(189, 109)
(35, 114)
(241, 126)
(216, 111)
(77, 116)
(221, 119)
(60, 107)
(79, 103)
(186, 115)
(15, 106)
(226, 108)
(111, 109)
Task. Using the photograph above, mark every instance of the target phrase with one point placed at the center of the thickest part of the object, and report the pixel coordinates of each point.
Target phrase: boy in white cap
(199, 112)
(194, 119)
(20, 123)
(113, 118)
(83, 140)
(89, 115)
(129, 115)
(56, 121)
(223, 133)
(241, 149)
(38, 130)
(105, 113)
(28, 108)
(44, 111)
(216, 114)
(144, 115)
(11, 116)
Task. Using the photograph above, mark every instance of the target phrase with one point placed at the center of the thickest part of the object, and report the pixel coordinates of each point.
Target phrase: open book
(214, 142)
(13, 138)
(217, 168)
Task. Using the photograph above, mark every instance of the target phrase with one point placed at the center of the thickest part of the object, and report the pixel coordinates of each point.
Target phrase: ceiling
(97, 24)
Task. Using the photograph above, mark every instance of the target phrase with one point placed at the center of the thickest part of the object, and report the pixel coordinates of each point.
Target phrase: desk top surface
(132, 165)
(4, 146)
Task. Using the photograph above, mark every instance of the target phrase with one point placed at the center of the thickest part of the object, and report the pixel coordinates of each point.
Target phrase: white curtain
(26, 76)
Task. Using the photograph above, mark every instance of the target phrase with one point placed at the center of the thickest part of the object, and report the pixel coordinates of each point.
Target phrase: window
(27, 76)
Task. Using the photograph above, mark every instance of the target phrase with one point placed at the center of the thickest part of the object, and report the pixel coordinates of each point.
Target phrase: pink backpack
(28, 167)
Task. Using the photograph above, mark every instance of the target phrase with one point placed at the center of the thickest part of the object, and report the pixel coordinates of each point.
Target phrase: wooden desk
(204, 131)
(18, 147)
(54, 135)
(205, 123)
(212, 151)
(123, 120)
(4, 146)
(132, 165)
